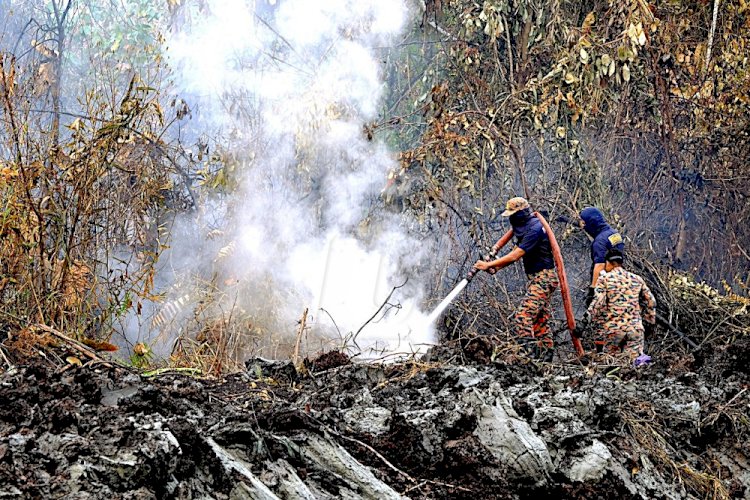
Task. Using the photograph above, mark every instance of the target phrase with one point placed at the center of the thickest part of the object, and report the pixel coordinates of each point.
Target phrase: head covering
(520, 218)
(514, 205)
(593, 220)
(613, 255)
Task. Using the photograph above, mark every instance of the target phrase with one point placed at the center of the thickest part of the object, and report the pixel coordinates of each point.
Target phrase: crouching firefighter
(533, 246)
(623, 308)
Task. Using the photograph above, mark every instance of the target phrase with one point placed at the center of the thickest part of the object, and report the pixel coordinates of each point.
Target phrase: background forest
(163, 182)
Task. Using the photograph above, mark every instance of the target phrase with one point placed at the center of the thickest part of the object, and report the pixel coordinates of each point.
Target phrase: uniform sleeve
(530, 239)
(599, 304)
(648, 304)
(599, 250)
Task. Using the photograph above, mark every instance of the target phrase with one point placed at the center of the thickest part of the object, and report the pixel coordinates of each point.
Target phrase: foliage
(142, 356)
(129, 31)
(639, 108)
(88, 181)
(68, 207)
(615, 104)
(701, 308)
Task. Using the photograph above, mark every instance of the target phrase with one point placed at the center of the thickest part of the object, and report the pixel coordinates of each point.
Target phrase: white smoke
(292, 85)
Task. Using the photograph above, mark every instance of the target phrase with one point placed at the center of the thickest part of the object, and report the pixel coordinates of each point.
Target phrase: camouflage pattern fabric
(533, 315)
(622, 301)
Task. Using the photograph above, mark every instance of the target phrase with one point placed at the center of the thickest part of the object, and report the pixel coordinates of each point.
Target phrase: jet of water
(446, 301)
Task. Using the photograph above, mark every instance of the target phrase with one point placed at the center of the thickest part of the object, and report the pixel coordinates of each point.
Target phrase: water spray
(469, 276)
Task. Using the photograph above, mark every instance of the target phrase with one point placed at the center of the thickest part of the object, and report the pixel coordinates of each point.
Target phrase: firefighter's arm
(598, 253)
(598, 268)
(596, 308)
(502, 262)
(504, 239)
(648, 304)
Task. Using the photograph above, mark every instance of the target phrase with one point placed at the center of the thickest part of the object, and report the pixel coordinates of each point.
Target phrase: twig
(73, 343)
(664, 321)
(334, 322)
(385, 302)
(162, 371)
(437, 27)
(300, 331)
(711, 35)
(510, 54)
(5, 358)
(377, 454)
(710, 419)
(437, 483)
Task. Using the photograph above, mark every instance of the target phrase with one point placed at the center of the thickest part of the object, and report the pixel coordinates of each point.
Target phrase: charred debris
(465, 420)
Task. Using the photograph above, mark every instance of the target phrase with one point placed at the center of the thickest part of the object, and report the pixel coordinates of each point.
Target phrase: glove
(641, 360)
(648, 329)
(582, 326)
(578, 331)
(590, 296)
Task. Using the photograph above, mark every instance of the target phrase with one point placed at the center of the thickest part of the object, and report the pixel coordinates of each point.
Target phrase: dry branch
(300, 331)
(385, 303)
(81, 348)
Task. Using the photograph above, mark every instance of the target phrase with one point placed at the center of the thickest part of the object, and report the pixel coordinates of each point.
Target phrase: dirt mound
(328, 360)
(417, 429)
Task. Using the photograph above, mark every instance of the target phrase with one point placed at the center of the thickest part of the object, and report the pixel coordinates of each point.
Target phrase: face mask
(518, 218)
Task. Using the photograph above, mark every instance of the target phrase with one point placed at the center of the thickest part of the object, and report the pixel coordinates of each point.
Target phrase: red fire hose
(561, 276)
(504, 239)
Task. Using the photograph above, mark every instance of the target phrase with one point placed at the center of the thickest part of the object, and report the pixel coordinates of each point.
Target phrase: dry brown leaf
(72, 360)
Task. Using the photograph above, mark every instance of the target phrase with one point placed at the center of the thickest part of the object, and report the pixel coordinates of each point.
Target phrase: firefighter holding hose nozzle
(533, 247)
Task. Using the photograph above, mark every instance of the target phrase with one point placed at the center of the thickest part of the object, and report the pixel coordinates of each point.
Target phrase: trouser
(628, 341)
(532, 318)
(600, 340)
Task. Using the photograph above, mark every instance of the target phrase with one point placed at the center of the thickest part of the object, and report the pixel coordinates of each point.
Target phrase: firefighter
(603, 238)
(623, 308)
(533, 246)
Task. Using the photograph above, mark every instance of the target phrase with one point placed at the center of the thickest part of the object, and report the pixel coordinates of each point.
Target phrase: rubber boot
(547, 354)
(529, 346)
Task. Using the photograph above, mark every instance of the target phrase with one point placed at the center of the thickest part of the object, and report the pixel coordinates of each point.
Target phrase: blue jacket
(532, 239)
(604, 236)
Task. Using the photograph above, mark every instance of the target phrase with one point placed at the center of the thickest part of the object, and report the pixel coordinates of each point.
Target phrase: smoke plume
(285, 89)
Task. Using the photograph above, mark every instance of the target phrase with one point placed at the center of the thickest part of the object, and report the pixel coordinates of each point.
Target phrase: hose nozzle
(487, 258)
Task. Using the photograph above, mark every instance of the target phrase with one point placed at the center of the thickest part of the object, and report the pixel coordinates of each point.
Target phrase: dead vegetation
(88, 201)
(555, 113)
(114, 185)
(422, 429)
(74, 208)
(650, 430)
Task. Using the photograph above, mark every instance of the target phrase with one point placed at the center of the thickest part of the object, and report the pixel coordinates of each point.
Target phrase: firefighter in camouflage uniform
(622, 309)
(533, 246)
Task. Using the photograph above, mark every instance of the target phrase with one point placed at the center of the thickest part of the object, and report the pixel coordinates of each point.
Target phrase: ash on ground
(453, 424)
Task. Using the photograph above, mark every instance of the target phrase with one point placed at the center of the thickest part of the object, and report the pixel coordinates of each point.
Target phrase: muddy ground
(456, 424)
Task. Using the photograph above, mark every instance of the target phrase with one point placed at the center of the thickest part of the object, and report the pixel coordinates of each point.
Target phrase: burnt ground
(456, 424)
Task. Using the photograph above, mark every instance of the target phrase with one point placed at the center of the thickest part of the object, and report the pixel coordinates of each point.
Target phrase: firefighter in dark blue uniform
(533, 247)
